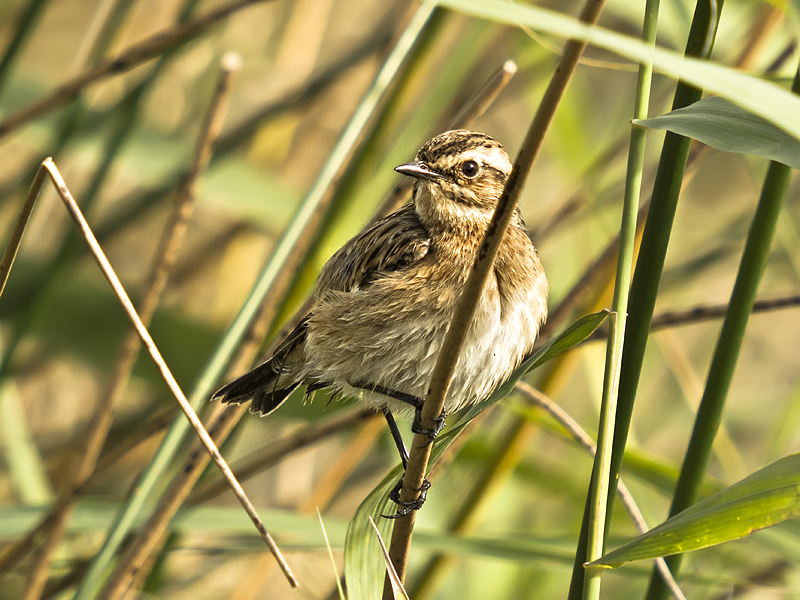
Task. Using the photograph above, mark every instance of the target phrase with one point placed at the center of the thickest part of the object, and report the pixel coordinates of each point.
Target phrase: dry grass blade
(484, 97)
(127, 305)
(330, 554)
(19, 228)
(446, 361)
(397, 586)
(131, 569)
(537, 398)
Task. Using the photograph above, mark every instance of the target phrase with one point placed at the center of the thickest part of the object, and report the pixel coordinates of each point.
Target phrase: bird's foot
(405, 508)
(416, 425)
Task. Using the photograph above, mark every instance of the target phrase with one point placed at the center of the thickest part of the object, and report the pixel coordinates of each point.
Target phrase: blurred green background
(306, 67)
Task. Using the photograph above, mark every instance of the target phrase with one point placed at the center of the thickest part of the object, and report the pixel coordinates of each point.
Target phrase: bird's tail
(260, 384)
(271, 382)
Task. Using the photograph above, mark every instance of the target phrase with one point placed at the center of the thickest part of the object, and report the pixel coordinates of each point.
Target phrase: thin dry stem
(157, 280)
(127, 305)
(485, 96)
(138, 53)
(702, 313)
(131, 567)
(267, 457)
(446, 361)
(19, 228)
(148, 540)
(537, 398)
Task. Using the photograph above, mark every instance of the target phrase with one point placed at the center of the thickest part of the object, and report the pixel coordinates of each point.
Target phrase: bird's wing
(393, 243)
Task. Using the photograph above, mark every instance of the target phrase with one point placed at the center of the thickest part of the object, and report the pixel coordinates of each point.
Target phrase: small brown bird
(385, 300)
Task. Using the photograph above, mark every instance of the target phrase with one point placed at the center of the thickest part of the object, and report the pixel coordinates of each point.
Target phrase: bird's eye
(470, 168)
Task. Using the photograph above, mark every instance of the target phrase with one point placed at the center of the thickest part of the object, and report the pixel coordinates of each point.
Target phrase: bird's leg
(403, 507)
(416, 402)
(398, 439)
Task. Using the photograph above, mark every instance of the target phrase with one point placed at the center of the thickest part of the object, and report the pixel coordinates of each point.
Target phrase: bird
(383, 303)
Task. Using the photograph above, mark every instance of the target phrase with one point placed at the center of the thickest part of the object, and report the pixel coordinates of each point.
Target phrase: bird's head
(460, 174)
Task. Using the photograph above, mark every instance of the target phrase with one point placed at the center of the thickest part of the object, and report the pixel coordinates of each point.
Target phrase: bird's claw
(416, 425)
(405, 508)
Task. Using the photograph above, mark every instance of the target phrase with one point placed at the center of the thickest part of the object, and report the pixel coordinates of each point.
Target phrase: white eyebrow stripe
(491, 157)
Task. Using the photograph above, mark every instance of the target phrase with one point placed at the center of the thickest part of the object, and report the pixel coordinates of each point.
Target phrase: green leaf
(775, 104)
(364, 568)
(766, 497)
(363, 565)
(725, 126)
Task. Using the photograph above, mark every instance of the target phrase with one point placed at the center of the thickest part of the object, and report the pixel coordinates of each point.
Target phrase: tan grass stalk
(445, 364)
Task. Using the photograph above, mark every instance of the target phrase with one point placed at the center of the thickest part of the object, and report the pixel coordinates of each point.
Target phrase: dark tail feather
(258, 384)
(261, 384)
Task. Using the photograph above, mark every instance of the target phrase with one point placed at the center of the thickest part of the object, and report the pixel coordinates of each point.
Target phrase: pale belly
(396, 347)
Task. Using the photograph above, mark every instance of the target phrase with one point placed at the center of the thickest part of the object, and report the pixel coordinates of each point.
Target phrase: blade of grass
(398, 591)
(765, 99)
(646, 279)
(25, 466)
(726, 353)
(27, 23)
(600, 487)
(330, 554)
(763, 499)
(10, 253)
(718, 123)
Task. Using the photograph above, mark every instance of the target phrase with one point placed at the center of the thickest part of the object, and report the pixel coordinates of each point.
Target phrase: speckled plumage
(383, 302)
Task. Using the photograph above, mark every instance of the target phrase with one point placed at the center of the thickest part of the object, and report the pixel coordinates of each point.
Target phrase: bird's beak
(417, 169)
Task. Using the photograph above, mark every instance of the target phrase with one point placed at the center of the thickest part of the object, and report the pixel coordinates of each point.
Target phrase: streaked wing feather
(393, 243)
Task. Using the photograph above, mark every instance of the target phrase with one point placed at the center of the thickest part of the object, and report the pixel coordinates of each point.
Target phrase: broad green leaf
(767, 100)
(725, 126)
(364, 568)
(363, 565)
(766, 497)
